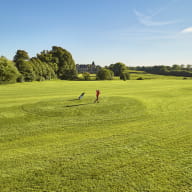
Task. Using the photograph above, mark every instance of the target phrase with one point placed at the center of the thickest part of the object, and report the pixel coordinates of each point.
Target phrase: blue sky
(135, 32)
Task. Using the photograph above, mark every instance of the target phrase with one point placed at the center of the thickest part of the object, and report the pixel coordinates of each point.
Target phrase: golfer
(81, 96)
(97, 96)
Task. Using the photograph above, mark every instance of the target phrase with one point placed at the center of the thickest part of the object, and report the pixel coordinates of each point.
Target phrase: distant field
(147, 76)
(137, 139)
(134, 75)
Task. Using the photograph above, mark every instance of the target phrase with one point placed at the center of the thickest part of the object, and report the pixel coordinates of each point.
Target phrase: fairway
(138, 138)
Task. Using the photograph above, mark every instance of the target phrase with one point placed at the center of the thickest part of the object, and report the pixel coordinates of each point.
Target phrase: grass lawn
(137, 139)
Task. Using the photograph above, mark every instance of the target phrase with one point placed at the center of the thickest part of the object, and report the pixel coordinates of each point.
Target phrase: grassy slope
(138, 138)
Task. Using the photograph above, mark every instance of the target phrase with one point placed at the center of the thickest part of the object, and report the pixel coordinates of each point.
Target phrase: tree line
(108, 72)
(174, 70)
(56, 63)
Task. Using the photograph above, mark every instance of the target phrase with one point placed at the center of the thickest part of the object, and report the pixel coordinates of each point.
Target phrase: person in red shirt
(97, 96)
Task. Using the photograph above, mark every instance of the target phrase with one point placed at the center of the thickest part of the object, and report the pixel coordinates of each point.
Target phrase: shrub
(140, 78)
(86, 76)
(104, 74)
(125, 75)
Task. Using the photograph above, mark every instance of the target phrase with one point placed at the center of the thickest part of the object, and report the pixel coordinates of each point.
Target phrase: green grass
(137, 139)
(134, 75)
(147, 76)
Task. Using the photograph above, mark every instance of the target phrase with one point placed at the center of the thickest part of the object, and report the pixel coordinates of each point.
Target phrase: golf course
(138, 138)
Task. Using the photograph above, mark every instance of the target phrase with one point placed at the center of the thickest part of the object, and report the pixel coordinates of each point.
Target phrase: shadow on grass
(76, 105)
(72, 99)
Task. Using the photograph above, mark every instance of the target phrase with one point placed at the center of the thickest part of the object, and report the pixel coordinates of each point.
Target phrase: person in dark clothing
(81, 96)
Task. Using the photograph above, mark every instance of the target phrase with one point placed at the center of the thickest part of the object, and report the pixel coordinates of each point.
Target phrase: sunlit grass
(138, 138)
(147, 76)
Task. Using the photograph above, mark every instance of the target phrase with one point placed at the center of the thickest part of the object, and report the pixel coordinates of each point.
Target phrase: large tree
(66, 64)
(104, 74)
(20, 55)
(47, 57)
(8, 71)
(118, 68)
(22, 63)
(61, 60)
(43, 70)
(125, 75)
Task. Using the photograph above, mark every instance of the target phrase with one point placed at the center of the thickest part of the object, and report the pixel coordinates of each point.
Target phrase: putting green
(120, 108)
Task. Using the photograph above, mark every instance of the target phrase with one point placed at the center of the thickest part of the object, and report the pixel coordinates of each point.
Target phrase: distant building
(90, 68)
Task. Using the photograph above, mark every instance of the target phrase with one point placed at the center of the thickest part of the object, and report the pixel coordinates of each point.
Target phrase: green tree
(22, 63)
(47, 57)
(176, 67)
(125, 75)
(43, 70)
(189, 67)
(104, 74)
(118, 68)
(20, 55)
(61, 61)
(66, 64)
(26, 69)
(8, 71)
(86, 76)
